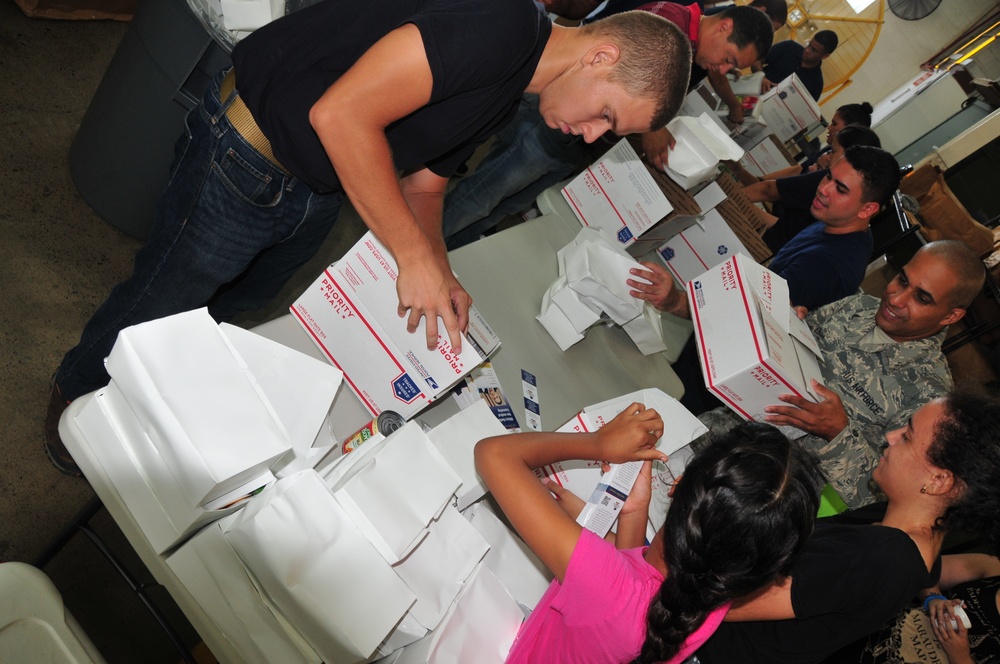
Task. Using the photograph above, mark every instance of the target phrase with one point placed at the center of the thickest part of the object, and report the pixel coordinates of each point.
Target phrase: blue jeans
(230, 230)
(526, 158)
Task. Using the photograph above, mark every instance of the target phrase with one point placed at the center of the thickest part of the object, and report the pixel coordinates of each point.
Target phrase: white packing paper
(700, 146)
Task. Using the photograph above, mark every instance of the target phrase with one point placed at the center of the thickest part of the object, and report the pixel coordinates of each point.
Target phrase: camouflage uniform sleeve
(852, 455)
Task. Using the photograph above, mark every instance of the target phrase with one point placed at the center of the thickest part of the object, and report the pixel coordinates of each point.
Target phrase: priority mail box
(751, 344)
(787, 109)
(767, 156)
(700, 247)
(350, 313)
(618, 195)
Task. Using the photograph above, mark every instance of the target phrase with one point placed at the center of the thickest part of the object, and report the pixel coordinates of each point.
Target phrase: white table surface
(506, 274)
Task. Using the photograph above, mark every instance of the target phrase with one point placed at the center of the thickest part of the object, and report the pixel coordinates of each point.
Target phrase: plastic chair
(34, 624)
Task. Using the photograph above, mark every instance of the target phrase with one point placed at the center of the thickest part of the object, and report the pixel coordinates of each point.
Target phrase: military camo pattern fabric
(881, 384)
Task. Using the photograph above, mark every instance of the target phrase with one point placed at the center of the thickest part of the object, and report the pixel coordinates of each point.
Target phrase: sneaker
(54, 447)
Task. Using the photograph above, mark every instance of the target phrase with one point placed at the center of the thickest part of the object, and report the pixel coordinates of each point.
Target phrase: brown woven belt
(239, 116)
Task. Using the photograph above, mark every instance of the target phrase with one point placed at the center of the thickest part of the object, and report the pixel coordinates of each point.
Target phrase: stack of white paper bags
(591, 284)
(371, 558)
(205, 415)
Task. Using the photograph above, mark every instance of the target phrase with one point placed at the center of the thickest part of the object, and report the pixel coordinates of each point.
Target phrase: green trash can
(121, 155)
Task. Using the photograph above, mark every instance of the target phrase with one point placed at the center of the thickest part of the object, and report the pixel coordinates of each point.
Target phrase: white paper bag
(521, 571)
(397, 490)
(646, 331)
(480, 628)
(456, 439)
(439, 567)
(555, 322)
(250, 14)
(314, 565)
(198, 402)
(209, 568)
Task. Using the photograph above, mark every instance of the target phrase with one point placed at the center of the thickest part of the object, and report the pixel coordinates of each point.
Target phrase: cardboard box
(767, 156)
(617, 195)
(700, 247)
(744, 218)
(751, 345)
(787, 109)
(350, 314)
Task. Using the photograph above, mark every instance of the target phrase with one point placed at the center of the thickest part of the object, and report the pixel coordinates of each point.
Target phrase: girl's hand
(631, 436)
(642, 491)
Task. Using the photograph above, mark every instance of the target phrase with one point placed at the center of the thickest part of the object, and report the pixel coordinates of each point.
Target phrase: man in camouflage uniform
(883, 360)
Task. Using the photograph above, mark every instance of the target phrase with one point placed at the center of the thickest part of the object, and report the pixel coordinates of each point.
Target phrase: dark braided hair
(740, 514)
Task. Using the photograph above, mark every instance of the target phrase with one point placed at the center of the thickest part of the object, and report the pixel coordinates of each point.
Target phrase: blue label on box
(624, 235)
(667, 253)
(405, 388)
(529, 378)
(430, 381)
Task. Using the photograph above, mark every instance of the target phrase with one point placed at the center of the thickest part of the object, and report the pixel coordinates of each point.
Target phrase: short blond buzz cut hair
(655, 59)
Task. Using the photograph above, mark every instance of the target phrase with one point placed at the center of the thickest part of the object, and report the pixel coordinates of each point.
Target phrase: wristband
(927, 600)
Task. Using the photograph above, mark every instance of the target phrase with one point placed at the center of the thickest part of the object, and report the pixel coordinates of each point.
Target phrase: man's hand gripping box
(751, 344)
(350, 314)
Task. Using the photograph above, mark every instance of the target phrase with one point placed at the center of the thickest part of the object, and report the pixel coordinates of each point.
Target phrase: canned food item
(386, 422)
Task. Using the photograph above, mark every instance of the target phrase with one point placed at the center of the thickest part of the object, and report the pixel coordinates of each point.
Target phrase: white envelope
(299, 388)
(521, 571)
(480, 627)
(438, 568)
(397, 490)
(324, 576)
(701, 145)
(456, 439)
(198, 402)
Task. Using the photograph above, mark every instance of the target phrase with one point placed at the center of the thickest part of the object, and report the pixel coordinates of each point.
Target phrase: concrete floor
(58, 260)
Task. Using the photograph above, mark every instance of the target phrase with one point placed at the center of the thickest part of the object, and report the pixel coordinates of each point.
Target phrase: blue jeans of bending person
(525, 159)
(230, 230)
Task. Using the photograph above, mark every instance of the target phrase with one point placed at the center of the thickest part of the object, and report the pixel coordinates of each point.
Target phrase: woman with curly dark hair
(745, 506)
(940, 473)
